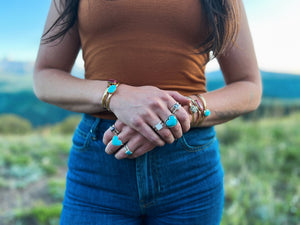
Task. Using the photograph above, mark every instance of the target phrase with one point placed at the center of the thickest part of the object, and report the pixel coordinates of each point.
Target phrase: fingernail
(118, 157)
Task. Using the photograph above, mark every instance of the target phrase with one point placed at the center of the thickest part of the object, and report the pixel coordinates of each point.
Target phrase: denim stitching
(190, 148)
(155, 172)
(86, 135)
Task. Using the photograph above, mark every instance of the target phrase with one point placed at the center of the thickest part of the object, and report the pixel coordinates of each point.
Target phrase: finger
(184, 119)
(143, 127)
(143, 149)
(173, 125)
(130, 147)
(112, 131)
(171, 119)
(164, 132)
(161, 112)
(159, 126)
(119, 140)
(181, 114)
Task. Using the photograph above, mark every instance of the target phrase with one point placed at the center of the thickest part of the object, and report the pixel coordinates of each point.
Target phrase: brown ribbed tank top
(144, 42)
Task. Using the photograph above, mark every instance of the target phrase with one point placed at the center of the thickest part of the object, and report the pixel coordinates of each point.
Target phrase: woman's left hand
(135, 143)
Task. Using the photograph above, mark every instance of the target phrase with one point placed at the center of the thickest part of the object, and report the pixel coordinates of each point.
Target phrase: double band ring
(127, 150)
(175, 107)
(114, 130)
(171, 121)
(159, 126)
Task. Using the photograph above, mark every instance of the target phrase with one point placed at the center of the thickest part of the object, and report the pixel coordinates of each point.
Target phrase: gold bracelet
(104, 97)
(110, 90)
(205, 112)
(110, 93)
(193, 109)
(200, 117)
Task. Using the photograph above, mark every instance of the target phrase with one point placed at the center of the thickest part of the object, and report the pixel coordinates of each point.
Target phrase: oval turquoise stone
(112, 89)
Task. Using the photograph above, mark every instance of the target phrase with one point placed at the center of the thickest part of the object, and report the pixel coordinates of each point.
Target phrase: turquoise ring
(127, 151)
(116, 141)
(171, 121)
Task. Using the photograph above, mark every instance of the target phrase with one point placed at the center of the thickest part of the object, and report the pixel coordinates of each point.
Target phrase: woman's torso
(145, 42)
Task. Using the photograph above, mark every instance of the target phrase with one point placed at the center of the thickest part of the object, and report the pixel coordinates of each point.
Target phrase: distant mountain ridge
(21, 68)
(17, 97)
(275, 85)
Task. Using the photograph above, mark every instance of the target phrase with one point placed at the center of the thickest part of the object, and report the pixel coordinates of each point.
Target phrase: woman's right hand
(141, 108)
(133, 141)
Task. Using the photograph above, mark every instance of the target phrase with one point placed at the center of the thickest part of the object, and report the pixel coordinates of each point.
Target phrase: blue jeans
(179, 183)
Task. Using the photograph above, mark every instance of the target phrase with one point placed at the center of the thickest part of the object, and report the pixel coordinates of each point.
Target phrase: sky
(274, 24)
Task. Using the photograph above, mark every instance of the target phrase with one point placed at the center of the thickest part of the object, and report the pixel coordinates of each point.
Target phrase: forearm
(61, 89)
(231, 101)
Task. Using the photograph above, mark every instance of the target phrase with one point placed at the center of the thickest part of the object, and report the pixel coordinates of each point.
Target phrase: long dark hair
(222, 19)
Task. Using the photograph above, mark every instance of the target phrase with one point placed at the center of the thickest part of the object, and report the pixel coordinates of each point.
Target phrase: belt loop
(93, 129)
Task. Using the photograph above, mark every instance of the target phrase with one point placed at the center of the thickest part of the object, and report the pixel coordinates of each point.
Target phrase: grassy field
(261, 161)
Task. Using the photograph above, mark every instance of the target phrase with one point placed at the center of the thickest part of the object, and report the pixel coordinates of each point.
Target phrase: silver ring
(127, 150)
(114, 130)
(159, 126)
(175, 107)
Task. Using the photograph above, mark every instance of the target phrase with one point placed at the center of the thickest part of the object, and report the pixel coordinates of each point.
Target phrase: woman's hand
(143, 108)
(136, 143)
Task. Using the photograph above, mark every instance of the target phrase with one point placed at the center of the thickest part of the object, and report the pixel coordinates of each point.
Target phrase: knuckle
(127, 131)
(177, 129)
(136, 122)
(167, 136)
(155, 104)
(183, 116)
(165, 96)
(157, 141)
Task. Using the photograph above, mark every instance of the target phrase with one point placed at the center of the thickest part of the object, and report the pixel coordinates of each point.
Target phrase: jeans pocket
(199, 139)
(81, 140)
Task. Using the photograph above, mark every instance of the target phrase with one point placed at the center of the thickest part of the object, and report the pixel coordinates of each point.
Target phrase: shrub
(67, 126)
(12, 124)
(40, 214)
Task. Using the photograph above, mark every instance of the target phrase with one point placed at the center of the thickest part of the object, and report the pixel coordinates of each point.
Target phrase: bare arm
(53, 82)
(242, 93)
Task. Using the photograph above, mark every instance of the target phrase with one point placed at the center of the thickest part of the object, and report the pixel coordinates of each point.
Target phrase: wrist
(111, 89)
(198, 110)
(115, 99)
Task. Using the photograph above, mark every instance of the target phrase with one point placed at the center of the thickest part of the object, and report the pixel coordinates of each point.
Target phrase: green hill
(275, 85)
(281, 93)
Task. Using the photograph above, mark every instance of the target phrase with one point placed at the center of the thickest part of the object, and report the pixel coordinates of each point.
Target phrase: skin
(138, 115)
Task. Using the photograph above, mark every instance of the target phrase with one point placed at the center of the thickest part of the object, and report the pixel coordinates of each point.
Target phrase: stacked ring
(127, 150)
(175, 107)
(114, 130)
